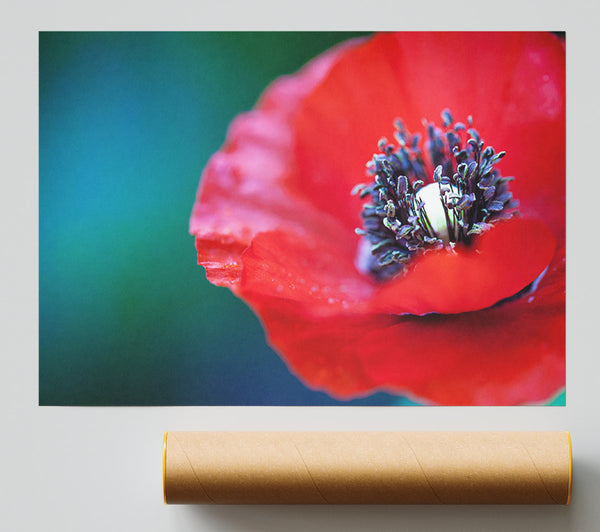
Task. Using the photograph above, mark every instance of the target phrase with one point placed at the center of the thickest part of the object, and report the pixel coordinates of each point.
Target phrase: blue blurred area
(127, 122)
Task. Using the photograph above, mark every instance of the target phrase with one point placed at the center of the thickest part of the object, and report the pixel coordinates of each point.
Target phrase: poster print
(386, 225)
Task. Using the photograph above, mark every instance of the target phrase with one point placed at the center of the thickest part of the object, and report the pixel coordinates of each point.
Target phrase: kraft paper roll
(367, 467)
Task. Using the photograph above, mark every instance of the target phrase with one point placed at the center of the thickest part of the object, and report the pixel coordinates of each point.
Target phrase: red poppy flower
(274, 221)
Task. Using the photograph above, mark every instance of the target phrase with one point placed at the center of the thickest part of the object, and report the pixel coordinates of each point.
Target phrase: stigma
(408, 212)
(433, 200)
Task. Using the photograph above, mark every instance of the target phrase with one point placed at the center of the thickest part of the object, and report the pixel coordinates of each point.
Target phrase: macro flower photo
(394, 214)
(302, 218)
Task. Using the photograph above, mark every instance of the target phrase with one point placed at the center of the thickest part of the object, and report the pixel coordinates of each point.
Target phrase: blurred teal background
(127, 122)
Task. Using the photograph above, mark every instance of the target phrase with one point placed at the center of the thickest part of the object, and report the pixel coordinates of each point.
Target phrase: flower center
(405, 215)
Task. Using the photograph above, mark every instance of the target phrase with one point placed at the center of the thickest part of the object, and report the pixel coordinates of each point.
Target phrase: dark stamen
(401, 217)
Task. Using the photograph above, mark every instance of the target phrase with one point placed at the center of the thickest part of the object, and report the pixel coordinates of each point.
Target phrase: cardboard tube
(367, 467)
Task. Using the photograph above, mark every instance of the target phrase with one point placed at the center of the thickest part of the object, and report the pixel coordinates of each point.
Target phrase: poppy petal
(316, 274)
(241, 191)
(503, 261)
(509, 354)
(512, 83)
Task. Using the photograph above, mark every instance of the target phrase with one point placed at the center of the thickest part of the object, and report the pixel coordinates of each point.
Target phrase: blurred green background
(127, 122)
